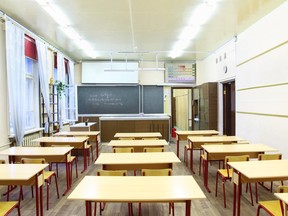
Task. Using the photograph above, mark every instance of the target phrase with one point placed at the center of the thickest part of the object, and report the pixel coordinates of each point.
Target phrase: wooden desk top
(77, 133)
(197, 132)
(137, 188)
(262, 169)
(61, 139)
(19, 171)
(159, 142)
(137, 158)
(37, 151)
(214, 139)
(282, 196)
(138, 135)
(237, 148)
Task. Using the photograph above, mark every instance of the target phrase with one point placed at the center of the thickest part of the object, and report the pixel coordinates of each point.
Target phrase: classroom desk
(284, 198)
(138, 145)
(255, 171)
(25, 174)
(83, 126)
(138, 135)
(219, 152)
(91, 134)
(137, 189)
(183, 135)
(137, 161)
(76, 142)
(50, 154)
(197, 141)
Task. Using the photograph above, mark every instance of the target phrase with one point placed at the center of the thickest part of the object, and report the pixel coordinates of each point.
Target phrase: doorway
(229, 108)
(181, 108)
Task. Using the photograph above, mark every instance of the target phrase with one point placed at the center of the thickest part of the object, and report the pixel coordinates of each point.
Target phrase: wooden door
(229, 108)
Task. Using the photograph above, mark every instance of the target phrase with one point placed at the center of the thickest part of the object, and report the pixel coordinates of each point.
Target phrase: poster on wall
(180, 72)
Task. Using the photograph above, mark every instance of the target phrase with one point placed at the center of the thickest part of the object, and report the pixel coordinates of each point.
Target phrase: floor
(212, 206)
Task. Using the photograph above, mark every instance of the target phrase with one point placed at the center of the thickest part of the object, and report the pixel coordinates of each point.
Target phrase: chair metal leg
(216, 187)
(251, 195)
(224, 192)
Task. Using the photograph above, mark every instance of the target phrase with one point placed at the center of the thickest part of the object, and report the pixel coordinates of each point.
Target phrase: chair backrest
(111, 173)
(33, 160)
(60, 146)
(2, 161)
(235, 159)
(123, 150)
(156, 172)
(213, 144)
(153, 149)
(269, 156)
(242, 142)
(282, 189)
(150, 138)
(126, 138)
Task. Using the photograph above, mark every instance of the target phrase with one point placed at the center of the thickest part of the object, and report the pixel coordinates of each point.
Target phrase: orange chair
(270, 157)
(7, 207)
(157, 172)
(47, 176)
(202, 156)
(112, 173)
(73, 159)
(273, 207)
(154, 149)
(226, 174)
(123, 150)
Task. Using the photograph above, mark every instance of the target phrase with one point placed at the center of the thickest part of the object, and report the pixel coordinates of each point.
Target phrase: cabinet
(53, 125)
(206, 107)
(111, 126)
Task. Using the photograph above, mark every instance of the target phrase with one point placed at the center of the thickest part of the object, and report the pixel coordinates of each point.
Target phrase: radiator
(27, 140)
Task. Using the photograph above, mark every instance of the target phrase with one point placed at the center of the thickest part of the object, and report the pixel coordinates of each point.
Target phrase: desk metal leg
(239, 194)
(205, 175)
(84, 159)
(88, 208)
(178, 143)
(188, 207)
(68, 177)
(191, 158)
(97, 148)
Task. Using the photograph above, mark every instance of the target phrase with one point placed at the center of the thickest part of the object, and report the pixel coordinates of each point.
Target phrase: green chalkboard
(108, 99)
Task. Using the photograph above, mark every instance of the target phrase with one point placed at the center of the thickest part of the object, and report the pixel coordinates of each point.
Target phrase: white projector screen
(107, 72)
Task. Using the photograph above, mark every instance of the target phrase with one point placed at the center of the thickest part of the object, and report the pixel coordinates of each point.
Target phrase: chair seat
(224, 172)
(6, 207)
(48, 174)
(272, 206)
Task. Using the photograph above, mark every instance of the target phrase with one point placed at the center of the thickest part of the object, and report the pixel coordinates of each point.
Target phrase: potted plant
(61, 88)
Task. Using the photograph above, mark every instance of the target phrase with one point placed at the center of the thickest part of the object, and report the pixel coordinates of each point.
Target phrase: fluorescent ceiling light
(202, 14)
(54, 12)
(71, 33)
(119, 69)
(176, 53)
(199, 17)
(189, 32)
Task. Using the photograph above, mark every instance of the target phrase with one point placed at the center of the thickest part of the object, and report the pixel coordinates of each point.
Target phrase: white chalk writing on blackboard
(105, 99)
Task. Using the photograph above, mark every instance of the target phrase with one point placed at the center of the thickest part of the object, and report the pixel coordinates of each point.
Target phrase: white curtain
(61, 78)
(72, 105)
(42, 50)
(16, 78)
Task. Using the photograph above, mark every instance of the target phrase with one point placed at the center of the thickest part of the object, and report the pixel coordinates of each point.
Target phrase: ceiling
(137, 29)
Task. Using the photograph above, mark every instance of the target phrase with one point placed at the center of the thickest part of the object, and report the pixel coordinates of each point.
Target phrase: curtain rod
(5, 17)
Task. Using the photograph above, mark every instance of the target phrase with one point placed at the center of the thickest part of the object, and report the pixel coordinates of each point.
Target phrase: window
(31, 92)
(31, 87)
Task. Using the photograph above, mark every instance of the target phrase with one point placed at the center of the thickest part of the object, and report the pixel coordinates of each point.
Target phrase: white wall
(262, 81)
(258, 63)
(211, 70)
(4, 114)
